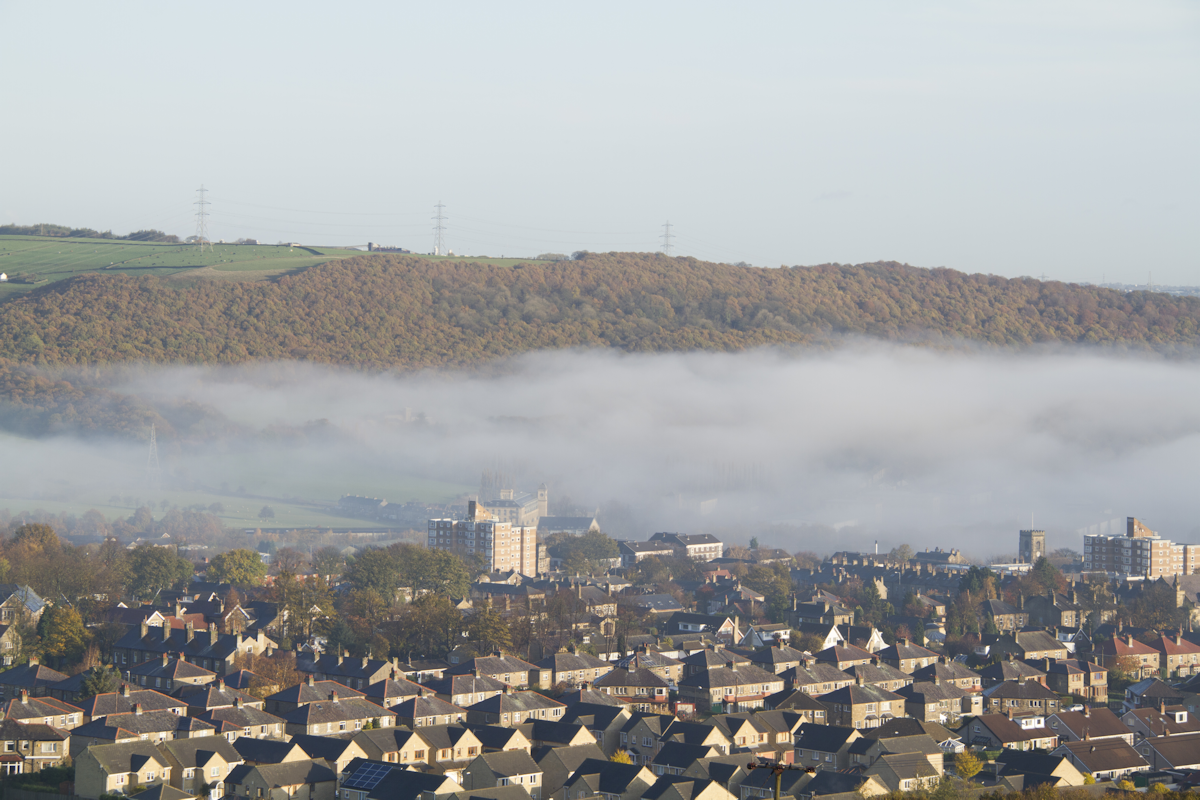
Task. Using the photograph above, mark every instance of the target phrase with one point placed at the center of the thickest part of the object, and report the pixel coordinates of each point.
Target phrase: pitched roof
(289, 773)
(1095, 723)
(1104, 754)
(516, 702)
(125, 756)
(314, 692)
(336, 710)
(825, 738)
(422, 707)
(30, 676)
(510, 762)
(742, 675)
(621, 677)
(948, 671)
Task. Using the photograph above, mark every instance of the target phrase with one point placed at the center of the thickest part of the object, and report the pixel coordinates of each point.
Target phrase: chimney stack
(124, 690)
(137, 709)
(166, 629)
(311, 680)
(212, 634)
(145, 629)
(189, 631)
(165, 659)
(333, 697)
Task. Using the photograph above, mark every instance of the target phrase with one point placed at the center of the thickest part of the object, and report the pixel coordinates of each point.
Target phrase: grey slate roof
(289, 773)
(511, 762)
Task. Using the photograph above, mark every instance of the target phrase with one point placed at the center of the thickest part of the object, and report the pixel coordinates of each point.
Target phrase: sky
(1017, 138)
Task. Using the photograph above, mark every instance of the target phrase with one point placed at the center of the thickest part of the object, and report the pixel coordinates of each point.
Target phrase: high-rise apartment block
(1032, 547)
(1140, 551)
(502, 545)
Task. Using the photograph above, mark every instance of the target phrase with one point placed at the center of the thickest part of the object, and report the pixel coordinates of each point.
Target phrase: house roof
(1009, 670)
(1095, 723)
(266, 751)
(174, 669)
(421, 707)
(216, 695)
(843, 652)
(198, 751)
(510, 762)
(552, 731)
(464, 684)
(30, 676)
(948, 671)
(827, 781)
(492, 665)
(571, 662)
(793, 699)
(518, 702)
(101, 705)
(612, 778)
(1178, 751)
(1005, 730)
(908, 766)
(1020, 690)
(314, 692)
(739, 675)
(289, 773)
(163, 791)
(855, 694)
(1104, 754)
(904, 651)
(389, 690)
(12, 730)
(126, 756)
(336, 710)
(926, 693)
(620, 677)
(825, 738)
(682, 755)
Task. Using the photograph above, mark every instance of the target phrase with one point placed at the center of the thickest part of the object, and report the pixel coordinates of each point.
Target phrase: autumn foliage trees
(386, 311)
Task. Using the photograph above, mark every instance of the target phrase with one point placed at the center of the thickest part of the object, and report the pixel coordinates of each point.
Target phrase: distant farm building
(364, 507)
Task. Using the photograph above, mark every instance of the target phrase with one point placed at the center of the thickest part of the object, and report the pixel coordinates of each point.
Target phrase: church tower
(1031, 547)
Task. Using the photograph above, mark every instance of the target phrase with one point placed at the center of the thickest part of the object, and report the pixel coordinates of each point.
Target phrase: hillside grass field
(33, 261)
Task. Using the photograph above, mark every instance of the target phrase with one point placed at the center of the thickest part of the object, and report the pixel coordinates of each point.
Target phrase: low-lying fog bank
(899, 444)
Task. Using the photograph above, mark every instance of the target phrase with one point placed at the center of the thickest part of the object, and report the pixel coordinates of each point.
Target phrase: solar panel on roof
(367, 777)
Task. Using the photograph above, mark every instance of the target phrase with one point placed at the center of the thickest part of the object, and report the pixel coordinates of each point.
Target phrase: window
(215, 772)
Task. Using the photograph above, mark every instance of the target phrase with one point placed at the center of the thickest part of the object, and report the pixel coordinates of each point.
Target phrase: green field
(31, 261)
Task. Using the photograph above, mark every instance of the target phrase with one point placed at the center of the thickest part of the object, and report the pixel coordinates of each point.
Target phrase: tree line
(63, 231)
(391, 311)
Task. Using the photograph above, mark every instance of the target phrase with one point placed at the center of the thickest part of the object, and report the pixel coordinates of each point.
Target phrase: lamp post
(778, 768)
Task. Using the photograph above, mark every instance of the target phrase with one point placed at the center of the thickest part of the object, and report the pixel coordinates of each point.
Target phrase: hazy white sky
(1013, 138)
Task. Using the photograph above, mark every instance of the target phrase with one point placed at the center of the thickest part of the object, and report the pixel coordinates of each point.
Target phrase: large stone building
(1031, 547)
(1140, 551)
(502, 545)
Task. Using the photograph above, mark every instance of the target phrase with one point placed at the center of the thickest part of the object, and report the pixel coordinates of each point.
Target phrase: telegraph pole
(152, 467)
(439, 231)
(202, 220)
(667, 237)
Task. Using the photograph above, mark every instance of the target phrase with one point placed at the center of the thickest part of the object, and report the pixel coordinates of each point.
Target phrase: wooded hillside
(394, 311)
